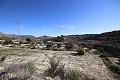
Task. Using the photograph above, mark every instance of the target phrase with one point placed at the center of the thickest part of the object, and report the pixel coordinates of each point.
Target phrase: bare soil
(88, 63)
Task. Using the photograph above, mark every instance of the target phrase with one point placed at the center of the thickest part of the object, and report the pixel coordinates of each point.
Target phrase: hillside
(21, 36)
(107, 36)
(3, 35)
(109, 41)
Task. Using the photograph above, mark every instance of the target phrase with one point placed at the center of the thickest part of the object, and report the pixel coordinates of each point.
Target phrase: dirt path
(89, 64)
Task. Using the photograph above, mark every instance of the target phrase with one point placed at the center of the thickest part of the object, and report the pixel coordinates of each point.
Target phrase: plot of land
(89, 64)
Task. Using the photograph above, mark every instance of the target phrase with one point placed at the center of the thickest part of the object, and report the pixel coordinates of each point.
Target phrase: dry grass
(14, 51)
(18, 72)
(57, 69)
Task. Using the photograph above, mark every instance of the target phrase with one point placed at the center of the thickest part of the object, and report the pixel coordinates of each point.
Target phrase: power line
(18, 26)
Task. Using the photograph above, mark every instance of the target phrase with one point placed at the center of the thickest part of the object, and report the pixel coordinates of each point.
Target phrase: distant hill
(21, 36)
(107, 36)
(82, 37)
(3, 35)
(44, 37)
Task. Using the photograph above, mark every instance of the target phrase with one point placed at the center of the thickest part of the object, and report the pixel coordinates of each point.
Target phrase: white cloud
(63, 26)
(37, 30)
(99, 28)
(68, 27)
(43, 30)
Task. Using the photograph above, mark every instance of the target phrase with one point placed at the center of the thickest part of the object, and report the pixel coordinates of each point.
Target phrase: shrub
(29, 66)
(28, 40)
(68, 46)
(49, 45)
(18, 72)
(56, 68)
(58, 45)
(72, 74)
(7, 42)
(80, 51)
(113, 68)
(103, 55)
(3, 58)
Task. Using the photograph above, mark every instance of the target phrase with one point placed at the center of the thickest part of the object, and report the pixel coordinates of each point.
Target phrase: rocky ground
(89, 64)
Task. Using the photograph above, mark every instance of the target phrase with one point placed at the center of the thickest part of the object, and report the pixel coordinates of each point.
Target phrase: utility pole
(18, 26)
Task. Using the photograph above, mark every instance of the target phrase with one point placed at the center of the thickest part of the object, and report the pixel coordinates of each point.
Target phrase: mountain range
(106, 36)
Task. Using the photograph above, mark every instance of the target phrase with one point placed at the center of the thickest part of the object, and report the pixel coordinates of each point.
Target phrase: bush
(68, 46)
(49, 46)
(103, 55)
(56, 68)
(59, 45)
(3, 58)
(18, 72)
(7, 42)
(28, 40)
(72, 74)
(29, 66)
(114, 68)
(80, 51)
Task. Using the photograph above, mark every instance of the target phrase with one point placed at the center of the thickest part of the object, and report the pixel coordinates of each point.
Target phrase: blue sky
(59, 17)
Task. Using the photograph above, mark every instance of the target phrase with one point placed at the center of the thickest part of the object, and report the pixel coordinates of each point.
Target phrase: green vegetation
(55, 39)
(6, 42)
(58, 45)
(80, 51)
(114, 68)
(72, 74)
(49, 46)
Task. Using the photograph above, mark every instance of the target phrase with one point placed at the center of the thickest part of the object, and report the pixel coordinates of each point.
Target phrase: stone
(48, 78)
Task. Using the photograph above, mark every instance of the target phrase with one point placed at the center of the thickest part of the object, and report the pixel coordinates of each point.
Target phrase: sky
(59, 17)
